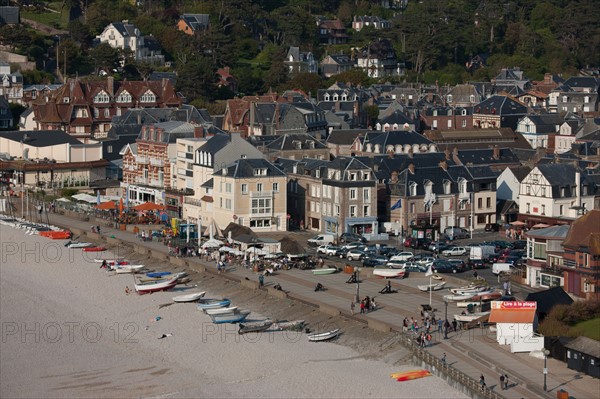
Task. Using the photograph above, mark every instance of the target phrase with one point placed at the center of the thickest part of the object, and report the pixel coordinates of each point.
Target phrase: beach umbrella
(106, 205)
(518, 223)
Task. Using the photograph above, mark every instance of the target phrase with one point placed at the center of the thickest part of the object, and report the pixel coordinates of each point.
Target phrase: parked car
(374, 261)
(419, 243)
(424, 260)
(437, 246)
(415, 267)
(519, 244)
(354, 245)
(341, 252)
(402, 257)
(459, 264)
(477, 264)
(332, 250)
(322, 249)
(455, 251)
(352, 237)
(492, 227)
(443, 266)
(355, 254)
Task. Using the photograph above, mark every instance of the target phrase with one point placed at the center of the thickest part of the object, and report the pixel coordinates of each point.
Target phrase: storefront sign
(514, 305)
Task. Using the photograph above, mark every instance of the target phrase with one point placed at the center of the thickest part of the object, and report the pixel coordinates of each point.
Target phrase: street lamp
(357, 272)
(546, 352)
(445, 319)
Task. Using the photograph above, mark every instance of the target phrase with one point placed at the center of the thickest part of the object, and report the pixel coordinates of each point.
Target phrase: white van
(498, 268)
(321, 239)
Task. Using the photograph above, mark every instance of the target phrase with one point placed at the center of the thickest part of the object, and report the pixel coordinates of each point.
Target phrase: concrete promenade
(474, 352)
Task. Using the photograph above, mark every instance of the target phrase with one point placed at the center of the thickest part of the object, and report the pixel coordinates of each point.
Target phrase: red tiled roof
(584, 232)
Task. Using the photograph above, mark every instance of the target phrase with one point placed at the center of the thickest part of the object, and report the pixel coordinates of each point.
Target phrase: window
(366, 210)
(106, 112)
(124, 97)
(260, 172)
(539, 251)
(336, 210)
(366, 194)
(449, 123)
(261, 206)
(449, 98)
(352, 211)
(447, 187)
(528, 208)
(413, 189)
(228, 203)
(464, 123)
(102, 97)
(528, 190)
(260, 222)
(352, 193)
(109, 149)
(412, 208)
(543, 192)
(259, 187)
(276, 187)
(148, 97)
(561, 209)
(434, 124)
(543, 209)
(488, 202)
(227, 187)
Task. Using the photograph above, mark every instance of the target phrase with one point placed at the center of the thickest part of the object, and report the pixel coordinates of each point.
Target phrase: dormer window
(449, 98)
(66, 100)
(260, 172)
(412, 189)
(472, 98)
(102, 98)
(462, 186)
(463, 112)
(447, 187)
(124, 97)
(428, 185)
(297, 145)
(148, 97)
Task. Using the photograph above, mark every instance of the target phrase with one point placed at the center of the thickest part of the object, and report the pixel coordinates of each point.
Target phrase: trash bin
(562, 394)
(349, 269)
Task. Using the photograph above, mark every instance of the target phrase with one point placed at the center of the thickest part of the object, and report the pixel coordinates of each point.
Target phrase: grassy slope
(588, 328)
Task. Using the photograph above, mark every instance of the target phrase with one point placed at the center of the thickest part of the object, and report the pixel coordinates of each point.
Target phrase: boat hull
(94, 249)
(324, 336)
(389, 273)
(189, 297)
(232, 319)
(155, 287)
(214, 304)
(432, 287)
(321, 272)
(255, 327)
(221, 311)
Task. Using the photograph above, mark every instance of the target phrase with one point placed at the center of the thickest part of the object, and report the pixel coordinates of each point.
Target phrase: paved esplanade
(473, 351)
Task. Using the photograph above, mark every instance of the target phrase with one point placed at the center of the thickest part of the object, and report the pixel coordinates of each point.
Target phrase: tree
(372, 114)
(105, 57)
(196, 78)
(354, 76)
(307, 82)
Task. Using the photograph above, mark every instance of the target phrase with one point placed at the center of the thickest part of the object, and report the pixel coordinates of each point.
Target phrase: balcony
(192, 201)
(464, 196)
(184, 172)
(130, 168)
(157, 182)
(261, 193)
(141, 160)
(156, 162)
(186, 155)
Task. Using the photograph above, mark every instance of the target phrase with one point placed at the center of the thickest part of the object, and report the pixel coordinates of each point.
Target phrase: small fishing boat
(78, 244)
(294, 325)
(160, 285)
(487, 296)
(213, 303)
(124, 269)
(389, 273)
(410, 375)
(179, 276)
(324, 336)
(216, 311)
(321, 272)
(470, 289)
(158, 274)
(436, 277)
(257, 326)
(432, 287)
(111, 262)
(94, 249)
(56, 235)
(193, 297)
(230, 318)
(458, 298)
(478, 316)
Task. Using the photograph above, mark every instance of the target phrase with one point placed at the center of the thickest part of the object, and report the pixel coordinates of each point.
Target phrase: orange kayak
(94, 249)
(411, 375)
(56, 235)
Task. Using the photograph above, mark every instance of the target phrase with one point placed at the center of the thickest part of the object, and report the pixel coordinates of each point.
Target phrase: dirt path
(43, 28)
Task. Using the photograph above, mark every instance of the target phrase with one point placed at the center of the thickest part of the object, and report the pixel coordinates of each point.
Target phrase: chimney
(411, 169)
(496, 152)
(110, 85)
(578, 186)
(198, 132)
(447, 154)
(444, 165)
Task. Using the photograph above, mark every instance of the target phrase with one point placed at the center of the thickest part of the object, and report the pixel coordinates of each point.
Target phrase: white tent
(212, 243)
(257, 251)
(92, 199)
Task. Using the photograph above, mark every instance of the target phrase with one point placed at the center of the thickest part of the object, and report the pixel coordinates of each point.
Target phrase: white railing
(192, 201)
(157, 183)
(156, 162)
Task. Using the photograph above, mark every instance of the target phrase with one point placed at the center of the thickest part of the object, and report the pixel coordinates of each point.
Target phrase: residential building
(227, 80)
(193, 23)
(567, 134)
(32, 92)
(447, 118)
(251, 193)
(392, 142)
(464, 95)
(219, 150)
(537, 129)
(11, 84)
(291, 146)
(6, 116)
(508, 183)
(125, 36)
(148, 166)
(332, 32)
(581, 264)
(336, 64)
(378, 59)
(300, 62)
(578, 94)
(337, 196)
(237, 112)
(340, 142)
(466, 139)
(544, 256)
(186, 148)
(363, 21)
(534, 99)
(85, 109)
(498, 111)
(346, 101)
(511, 81)
(555, 193)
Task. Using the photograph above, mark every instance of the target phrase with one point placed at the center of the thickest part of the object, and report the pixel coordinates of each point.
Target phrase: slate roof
(41, 138)
(244, 168)
(421, 160)
(215, 144)
(500, 105)
(546, 123)
(584, 233)
(558, 174)
(485, 156)
(125, 29)
(196, 21)
(581, 82)
(287, 142)
(585, 345)
(550, 233)
(520, 172)
(209, 183)
(395, 137)
(396, 117)
(547, 299)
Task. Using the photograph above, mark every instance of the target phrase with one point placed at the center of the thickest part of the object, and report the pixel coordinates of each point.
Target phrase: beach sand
(69, 330)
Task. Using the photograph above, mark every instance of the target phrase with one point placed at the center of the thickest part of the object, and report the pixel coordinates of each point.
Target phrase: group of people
(424, 339)
(367, 305)
(503, 381)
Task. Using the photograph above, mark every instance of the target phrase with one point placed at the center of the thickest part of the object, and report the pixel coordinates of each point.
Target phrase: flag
(397, 205)
(429, 272)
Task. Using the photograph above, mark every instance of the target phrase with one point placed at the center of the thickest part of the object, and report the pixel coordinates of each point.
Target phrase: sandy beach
(69, 330)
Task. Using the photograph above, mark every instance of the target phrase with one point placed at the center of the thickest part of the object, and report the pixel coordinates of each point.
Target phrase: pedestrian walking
(444, 358)
(352, 306)
(261, 281)
(362, 306)
(482, 382)
(505, 381)
(501, 381)
(440, 323)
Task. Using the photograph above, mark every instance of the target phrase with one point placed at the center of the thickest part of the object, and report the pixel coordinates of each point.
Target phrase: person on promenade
(440, 323)
(127, 290)
(362, 307)
(482, 382)
(444, 358)
(278, 287)
(373, 304)
(501, 381)
(352, 306)
(261, 281)
(446, 327)
(505, 381)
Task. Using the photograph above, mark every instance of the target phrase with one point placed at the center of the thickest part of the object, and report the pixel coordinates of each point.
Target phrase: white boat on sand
(389, 273)
(124, 269)
(161, 285)
(470, 289)
(194, 296)
(212, 312)
(432, 287)
(479, 316)
(324, 336)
